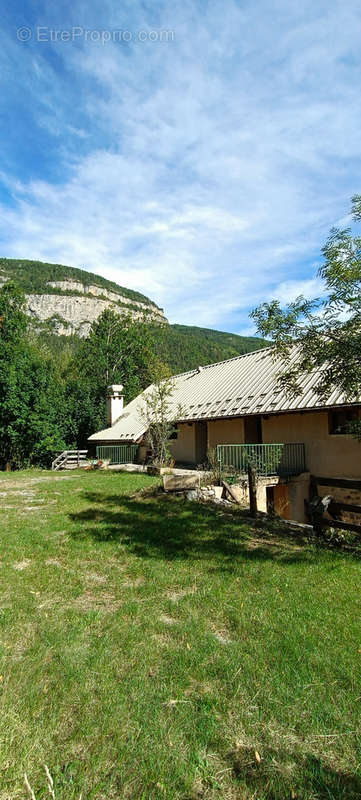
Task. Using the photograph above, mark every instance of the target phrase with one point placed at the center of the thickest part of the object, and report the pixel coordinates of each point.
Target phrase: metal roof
(240, 386)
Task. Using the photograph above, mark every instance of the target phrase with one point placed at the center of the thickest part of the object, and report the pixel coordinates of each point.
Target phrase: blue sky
(203, 167)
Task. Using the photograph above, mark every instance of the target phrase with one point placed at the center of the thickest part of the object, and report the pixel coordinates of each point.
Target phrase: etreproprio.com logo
(43, 33)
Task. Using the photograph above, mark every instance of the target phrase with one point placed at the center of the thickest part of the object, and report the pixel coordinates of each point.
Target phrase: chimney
(115, 402)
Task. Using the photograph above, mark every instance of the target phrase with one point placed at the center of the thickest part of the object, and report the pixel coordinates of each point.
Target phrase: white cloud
(212, 166)
(288, 291)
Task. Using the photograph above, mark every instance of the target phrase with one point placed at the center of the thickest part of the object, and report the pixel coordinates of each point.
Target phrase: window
(338, 421)
(174, 433)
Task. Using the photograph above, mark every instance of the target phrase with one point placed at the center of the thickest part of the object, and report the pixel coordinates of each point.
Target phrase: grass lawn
(152, 648)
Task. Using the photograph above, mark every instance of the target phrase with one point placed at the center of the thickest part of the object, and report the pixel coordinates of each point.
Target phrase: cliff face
(67, 300)
(71, 313)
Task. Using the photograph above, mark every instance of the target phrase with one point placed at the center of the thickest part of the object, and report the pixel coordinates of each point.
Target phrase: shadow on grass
(282, 775)
(166, 527)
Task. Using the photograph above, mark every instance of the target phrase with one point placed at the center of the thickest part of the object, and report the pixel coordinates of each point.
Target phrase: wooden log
(230, 491)
(252, 488)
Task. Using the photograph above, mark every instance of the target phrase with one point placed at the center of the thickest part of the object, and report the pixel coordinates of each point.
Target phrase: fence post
(219, 459)
(252, 487)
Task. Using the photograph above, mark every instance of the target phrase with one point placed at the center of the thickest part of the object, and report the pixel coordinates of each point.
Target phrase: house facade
(241, 402)
(328, 451)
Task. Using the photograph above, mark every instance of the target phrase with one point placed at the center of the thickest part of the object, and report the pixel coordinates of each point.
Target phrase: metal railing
(268, 459)
(117, 453)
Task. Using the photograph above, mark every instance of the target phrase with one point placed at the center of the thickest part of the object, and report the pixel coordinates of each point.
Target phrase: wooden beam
(336, 506)
(230, 491)
(343, 483)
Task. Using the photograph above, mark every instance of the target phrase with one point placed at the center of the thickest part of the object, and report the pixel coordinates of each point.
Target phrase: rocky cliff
(71, 302)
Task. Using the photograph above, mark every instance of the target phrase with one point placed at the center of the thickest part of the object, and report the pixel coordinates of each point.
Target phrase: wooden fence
(338, 508)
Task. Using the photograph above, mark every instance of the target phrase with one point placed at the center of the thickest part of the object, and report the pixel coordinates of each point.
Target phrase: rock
(240, 493)
(74, 313)
(176, 483)
(218, 491)
(192, 495)
(153, 470)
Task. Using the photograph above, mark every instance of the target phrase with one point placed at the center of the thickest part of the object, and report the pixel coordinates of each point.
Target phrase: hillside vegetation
(185, 347)
(181, 347)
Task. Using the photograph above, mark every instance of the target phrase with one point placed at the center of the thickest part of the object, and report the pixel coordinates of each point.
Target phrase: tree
(326, 330)
(118, 350)
(13, 320)
(31, 402)
(156, 412)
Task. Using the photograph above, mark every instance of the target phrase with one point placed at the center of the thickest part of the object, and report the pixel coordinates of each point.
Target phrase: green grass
(152, 648)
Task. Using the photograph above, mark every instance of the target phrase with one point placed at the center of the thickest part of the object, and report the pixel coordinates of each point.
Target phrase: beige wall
(184, 448)
(330, 456)
(225, 431)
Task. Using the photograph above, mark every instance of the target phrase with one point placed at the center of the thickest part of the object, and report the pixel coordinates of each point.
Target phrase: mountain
(64, 301)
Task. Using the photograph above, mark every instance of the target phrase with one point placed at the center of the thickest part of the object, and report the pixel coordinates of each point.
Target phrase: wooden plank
(336, 506)
(343, 483)
(230, 491)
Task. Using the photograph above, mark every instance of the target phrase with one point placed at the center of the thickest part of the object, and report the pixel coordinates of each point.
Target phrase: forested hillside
(38, 276)
(180, 347)
(185, 347)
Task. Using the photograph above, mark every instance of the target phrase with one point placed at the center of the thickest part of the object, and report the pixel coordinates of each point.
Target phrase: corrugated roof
(240, 386)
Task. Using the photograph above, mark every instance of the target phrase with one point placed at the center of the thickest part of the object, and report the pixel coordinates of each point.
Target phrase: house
(239, 402)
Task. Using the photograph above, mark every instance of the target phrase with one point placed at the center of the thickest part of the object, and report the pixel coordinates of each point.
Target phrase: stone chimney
(115, 403)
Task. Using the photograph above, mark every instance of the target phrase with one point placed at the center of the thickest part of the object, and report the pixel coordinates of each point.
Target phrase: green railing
(268, 459)
(117, 453)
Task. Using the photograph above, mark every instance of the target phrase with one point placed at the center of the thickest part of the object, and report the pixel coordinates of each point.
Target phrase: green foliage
(13, 321)
(327, 330)
(157, 417)
(118, 350)
(180, 347)
(31, 407)
(53, 400)
(33, 276)
(185, 347)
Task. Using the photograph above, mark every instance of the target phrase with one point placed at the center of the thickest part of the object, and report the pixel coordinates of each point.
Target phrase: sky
(198, 152)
